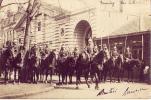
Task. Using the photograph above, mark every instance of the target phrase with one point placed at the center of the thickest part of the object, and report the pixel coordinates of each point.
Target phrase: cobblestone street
(42, 90)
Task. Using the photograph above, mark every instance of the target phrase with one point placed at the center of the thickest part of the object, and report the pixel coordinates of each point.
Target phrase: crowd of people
(37, 63)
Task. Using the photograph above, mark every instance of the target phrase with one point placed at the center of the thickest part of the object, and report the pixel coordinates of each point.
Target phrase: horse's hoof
(88, 86)
(77, 87)
(46, 82)
(14, 83)
(96, 88)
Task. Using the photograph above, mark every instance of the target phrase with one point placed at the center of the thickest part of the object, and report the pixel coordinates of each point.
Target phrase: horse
(130, 66)
(50, 63)
(18, 66)
(82, 68)
(43, 68)
(70, 63)
(97, 68)
(119, 67)
(108, 70)
(7, 63)
(34, 64)
(62, 69)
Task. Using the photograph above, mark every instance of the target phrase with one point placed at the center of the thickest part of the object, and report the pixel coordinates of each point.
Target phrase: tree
(1, 2)
(32, 8)
(2, 6)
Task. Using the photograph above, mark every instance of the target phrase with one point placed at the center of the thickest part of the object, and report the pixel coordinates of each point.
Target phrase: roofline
(123, 35)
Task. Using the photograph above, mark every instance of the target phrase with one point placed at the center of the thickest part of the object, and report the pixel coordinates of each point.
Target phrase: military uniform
(106, 53)
(62, 54)
(127, 55)
(114, 53)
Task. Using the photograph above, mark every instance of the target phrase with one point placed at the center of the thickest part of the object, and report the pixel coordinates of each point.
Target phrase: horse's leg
(66, 78)
(77, 79)
(46, 75)
(37, 75)
(59, 77)
(128, 75)
(63, 77)
(70, 78)
(96, 81)
(50, 75)
(19, 75)
(86, 79)
(118, 75)
(132, 76)
(6, 75)
(15, 75)
(104, 75)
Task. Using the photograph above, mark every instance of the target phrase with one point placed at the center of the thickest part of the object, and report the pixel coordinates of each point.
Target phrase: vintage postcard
(75, 49)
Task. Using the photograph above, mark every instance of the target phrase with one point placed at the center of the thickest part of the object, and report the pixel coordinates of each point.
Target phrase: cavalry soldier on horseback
(114, 53)
(95, 51)
(8, 59)
(106, 53)
(75, 53)
(127, 55)
(62, 54)
(18, 63)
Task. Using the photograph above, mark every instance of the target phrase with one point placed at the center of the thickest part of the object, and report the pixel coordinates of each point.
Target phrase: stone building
(7, 26)
(55, 26)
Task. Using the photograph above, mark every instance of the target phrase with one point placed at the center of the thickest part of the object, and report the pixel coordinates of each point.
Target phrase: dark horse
(119, 69)
(70, 63)
(50, 63)
(7, 63)
(130, 67)
(97, 68)
(62, 69)
(82, 68)
(34, 64)
(18, 65)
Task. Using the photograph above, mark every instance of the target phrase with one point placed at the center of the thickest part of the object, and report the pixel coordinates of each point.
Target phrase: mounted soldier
(114, 55)
(18, 63)
(127, 55)
(75, 53)
(7, 59)
(62, 54)
(106, 53)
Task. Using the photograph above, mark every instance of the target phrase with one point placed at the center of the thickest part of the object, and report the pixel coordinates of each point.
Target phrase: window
(39, 26)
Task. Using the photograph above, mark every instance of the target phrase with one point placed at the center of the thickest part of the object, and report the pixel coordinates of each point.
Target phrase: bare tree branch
(9, 4)
(1, 2)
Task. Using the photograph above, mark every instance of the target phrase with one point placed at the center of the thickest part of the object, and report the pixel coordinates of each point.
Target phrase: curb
(25, 94)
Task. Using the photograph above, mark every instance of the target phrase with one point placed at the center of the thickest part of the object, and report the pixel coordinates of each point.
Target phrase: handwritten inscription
(124, 92)
(130, 91)
(103, 92)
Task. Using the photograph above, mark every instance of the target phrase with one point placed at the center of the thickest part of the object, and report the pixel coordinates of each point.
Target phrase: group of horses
(34, 68)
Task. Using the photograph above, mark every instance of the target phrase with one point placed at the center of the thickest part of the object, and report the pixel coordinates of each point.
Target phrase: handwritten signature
(127, 91)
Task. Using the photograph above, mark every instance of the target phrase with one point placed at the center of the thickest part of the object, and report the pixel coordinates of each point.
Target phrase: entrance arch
(82, 32)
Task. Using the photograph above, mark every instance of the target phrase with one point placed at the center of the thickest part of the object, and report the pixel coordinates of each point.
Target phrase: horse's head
(135, 63)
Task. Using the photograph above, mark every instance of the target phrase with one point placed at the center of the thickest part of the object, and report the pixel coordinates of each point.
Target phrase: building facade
(55, 26)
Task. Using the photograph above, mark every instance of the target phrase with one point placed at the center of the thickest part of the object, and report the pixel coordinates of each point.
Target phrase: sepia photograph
(75, 49)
